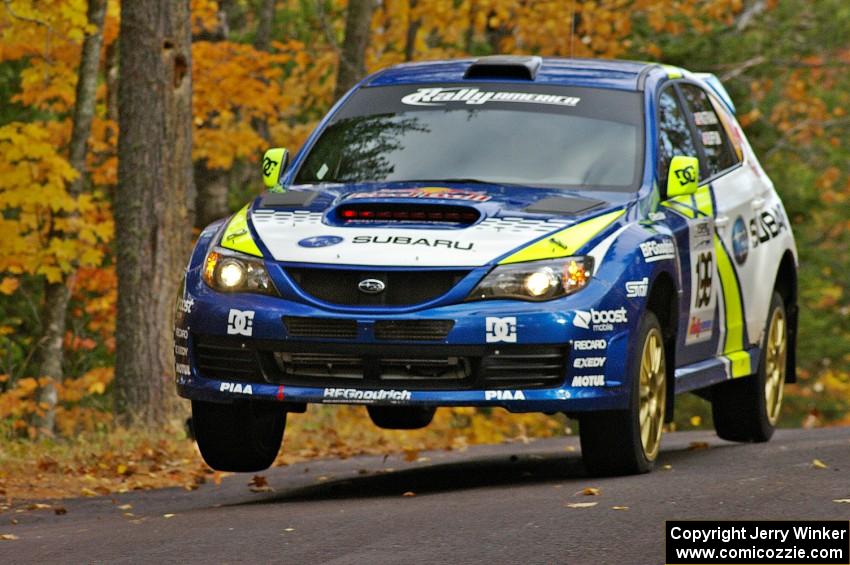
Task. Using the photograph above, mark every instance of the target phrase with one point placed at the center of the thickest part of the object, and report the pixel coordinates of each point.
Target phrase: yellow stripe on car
(739, 362)
(734, 339)
(564, 243)
(237, 236)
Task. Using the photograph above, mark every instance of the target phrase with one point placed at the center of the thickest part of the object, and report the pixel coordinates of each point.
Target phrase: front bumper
(485, 340)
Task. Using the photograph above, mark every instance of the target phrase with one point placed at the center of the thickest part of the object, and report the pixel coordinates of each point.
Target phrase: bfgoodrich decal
(658, 250)
(365, 396)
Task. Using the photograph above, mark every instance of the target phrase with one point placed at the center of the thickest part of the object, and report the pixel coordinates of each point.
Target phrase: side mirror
(682, 176)
(274, 163)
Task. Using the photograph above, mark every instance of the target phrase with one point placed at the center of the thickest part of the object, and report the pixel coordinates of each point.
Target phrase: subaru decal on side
(543, 235)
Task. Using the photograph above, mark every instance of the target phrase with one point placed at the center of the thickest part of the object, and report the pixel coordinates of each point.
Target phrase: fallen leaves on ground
(818, 464)
(409, 493)
(589, 491)
(842, 500)
(582, 504)
(8, 537)
(259, 484)
(120, 461)
(697, 445)
(619, 508)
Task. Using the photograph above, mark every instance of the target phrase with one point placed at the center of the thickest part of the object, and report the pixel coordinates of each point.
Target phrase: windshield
(503, 134)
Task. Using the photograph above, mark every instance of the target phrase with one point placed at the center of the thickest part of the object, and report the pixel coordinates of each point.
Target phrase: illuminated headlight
(228, 271)
(535, 280)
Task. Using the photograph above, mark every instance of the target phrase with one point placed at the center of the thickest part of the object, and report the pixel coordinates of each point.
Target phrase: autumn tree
(57, 293)
(352, 56)
(154, 201)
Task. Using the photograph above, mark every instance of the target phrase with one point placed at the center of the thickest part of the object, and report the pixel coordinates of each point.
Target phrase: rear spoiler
(714, 83)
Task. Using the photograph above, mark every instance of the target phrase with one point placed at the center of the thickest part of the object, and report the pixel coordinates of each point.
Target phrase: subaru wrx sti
(543, 235)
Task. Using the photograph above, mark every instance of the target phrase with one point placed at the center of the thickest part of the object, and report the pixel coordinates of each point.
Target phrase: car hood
(415, 225)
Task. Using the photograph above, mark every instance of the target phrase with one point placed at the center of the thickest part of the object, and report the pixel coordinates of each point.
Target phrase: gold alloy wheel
(653, 393)
(777, 350)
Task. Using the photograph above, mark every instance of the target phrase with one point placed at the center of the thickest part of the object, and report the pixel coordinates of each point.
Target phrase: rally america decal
(439, 96)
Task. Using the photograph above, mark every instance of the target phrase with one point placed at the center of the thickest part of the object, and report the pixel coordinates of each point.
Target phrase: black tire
(242, 437)
(611, 441)
(401, 417)
(739, 406)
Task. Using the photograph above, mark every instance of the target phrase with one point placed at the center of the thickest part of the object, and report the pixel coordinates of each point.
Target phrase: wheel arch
(786, 286)
(663, 301)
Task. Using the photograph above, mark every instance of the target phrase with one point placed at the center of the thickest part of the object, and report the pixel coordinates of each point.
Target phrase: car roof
(604, 73)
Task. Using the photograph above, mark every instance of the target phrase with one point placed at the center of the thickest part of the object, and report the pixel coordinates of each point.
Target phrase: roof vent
(499, 66)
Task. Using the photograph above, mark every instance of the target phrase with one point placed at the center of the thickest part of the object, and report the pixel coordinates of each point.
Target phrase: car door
(691, 218)
(737, 198)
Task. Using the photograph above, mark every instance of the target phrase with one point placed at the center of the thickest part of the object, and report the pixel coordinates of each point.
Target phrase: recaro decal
(237, 236)
(440, 96)
(565, 242)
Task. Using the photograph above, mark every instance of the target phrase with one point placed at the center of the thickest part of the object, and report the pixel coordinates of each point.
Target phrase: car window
(529, 135)
(733, 131)
(675, 136)
(712, 134)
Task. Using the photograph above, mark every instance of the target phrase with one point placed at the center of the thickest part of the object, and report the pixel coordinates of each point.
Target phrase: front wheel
(241, 436)
(746, 409)
(626, 442)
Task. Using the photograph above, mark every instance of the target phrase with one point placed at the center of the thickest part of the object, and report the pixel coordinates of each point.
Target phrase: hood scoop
(403, 213)
(564, 205)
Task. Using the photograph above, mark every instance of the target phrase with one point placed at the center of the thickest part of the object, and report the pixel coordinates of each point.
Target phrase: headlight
(535, 280)
(228, 271)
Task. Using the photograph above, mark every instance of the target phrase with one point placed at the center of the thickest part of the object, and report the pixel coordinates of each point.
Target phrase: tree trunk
(352, 58)
(262, 42)
(211, 202)
(154, 203)
(265, 19)
(57, 294)
(413, 25)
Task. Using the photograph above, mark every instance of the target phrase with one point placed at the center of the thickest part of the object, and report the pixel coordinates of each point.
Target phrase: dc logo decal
(686, 175)
(320, 241)
(501, 329)
(240, 322)
(704, 268)
(268, 165)
(740, 241)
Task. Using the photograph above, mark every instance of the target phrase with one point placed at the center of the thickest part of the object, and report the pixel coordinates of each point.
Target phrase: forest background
(261, 73)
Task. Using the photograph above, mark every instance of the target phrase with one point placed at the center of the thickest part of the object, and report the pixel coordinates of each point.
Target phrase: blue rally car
(543, 235)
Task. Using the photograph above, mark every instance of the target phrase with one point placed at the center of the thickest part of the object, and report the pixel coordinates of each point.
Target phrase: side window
(718, 150)
(674, 133)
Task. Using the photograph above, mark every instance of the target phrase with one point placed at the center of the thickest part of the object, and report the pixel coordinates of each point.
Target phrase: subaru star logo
(371, 286)
(320, 241)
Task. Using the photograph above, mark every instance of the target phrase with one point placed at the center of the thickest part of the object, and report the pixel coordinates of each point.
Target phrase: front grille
(355, 365)
(413, 330)
(402, 288)
(229, 359)
(332, 328)
(524, 368)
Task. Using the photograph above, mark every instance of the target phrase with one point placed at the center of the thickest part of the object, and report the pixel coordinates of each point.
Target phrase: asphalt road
(489, 504)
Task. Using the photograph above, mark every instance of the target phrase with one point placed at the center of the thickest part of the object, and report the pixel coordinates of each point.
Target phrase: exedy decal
(425, 242)
(438, 96)
(436, 193)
